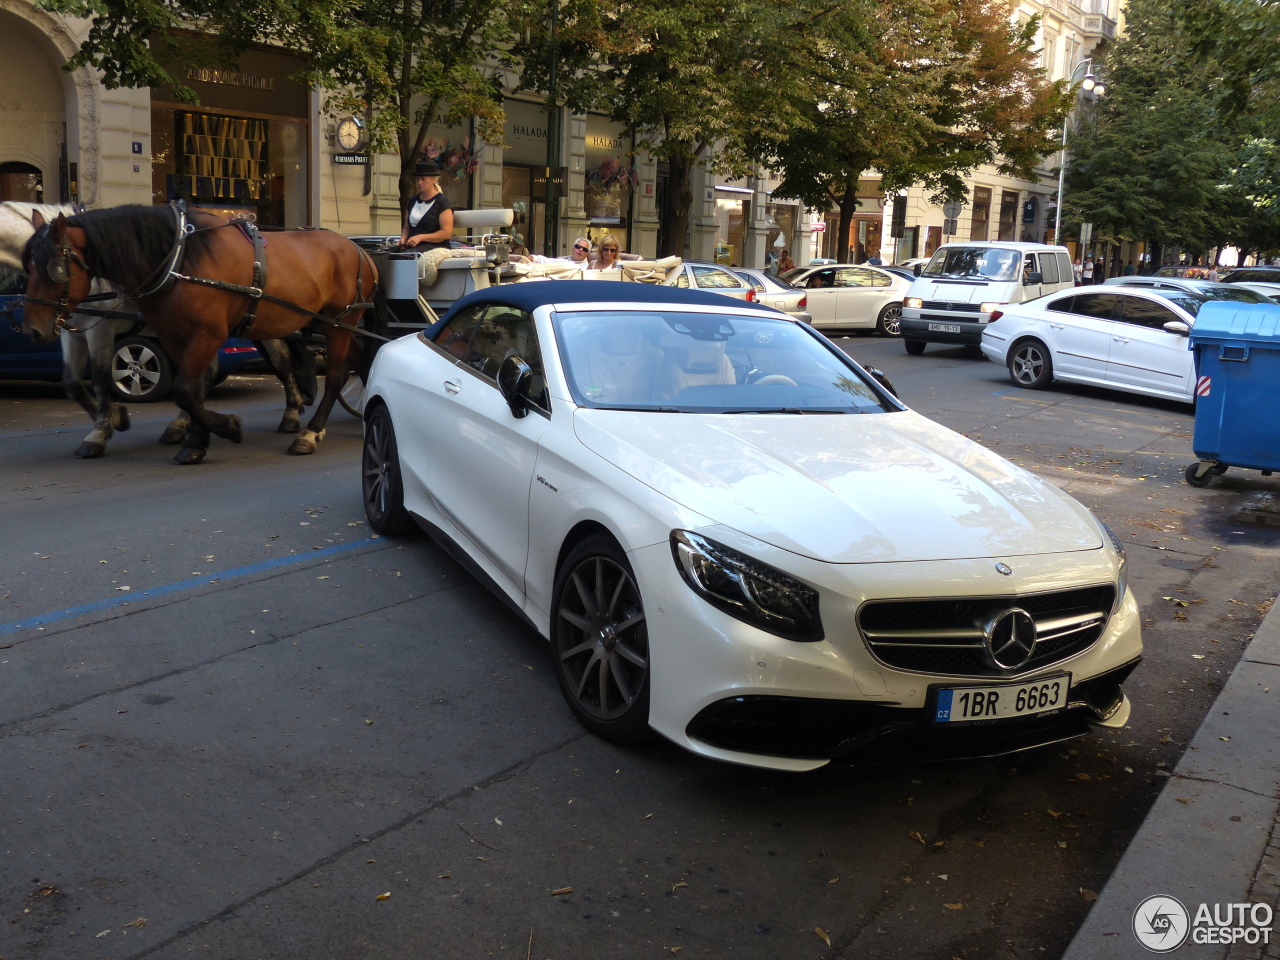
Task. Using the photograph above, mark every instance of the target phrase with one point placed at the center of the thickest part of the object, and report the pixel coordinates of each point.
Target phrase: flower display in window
(613, 171)
(459, 160)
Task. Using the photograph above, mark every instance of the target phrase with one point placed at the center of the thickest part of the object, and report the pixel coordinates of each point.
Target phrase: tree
(923, 92)
(374, 57)
(687, 75)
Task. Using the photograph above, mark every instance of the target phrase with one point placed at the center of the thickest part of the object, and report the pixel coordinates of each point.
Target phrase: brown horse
(199, 279)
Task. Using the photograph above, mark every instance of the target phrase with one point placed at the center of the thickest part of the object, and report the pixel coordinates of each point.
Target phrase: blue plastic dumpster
(1237, 389)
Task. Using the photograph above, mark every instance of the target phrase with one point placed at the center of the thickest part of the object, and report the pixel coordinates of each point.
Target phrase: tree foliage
(393, 62)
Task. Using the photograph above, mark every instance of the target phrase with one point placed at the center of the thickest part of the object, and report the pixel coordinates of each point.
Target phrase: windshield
(1252, 276)
(1192, 302)
(987, 263)
(677, 362)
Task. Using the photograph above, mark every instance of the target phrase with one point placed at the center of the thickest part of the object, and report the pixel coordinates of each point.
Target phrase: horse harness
(58, 270)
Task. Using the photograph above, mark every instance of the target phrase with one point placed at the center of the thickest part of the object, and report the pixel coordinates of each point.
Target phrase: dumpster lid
(1228, 320)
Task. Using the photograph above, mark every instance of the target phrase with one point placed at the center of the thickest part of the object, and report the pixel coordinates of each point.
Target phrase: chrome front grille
(947, 305)
(947, 636)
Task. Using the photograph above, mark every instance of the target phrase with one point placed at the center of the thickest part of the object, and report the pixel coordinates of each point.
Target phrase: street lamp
(1090, 84)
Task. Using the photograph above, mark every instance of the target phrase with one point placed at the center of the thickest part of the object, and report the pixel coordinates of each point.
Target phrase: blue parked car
(140, 371)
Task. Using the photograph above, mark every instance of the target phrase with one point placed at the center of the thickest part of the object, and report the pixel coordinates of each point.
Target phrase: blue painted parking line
(1001, 393)
(44, 619)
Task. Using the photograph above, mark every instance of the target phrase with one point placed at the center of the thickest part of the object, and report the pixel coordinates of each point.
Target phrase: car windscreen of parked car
(990, 263)
(675, 362)
(1192, 302)
(1249, 275)
(766, 282)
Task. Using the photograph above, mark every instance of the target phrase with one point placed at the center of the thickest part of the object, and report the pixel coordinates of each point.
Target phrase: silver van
(953, 297)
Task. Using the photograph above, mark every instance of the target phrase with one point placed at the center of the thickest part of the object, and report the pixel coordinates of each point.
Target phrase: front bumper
(726, 690)
(916, 322)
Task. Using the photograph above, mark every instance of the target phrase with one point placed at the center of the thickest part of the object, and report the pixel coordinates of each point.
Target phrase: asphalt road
(234, 724)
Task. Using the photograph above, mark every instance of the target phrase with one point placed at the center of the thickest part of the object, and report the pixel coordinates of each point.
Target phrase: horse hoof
(301, 447)
(90, 451)
(289, 425)
(120, 417)
(233, 429)
(189, 455)
(173, 435)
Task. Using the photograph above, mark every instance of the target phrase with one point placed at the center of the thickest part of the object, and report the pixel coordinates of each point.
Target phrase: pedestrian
(785, 262)
(1086, 271)
(1129, 269)
(1075, 269)
(1213, 273)
(874, 260)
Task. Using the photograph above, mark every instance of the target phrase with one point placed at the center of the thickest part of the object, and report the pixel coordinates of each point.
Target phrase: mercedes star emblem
(1009, 639)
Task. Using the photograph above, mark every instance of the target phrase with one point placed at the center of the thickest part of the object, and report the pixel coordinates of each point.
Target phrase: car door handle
(1120, 339)
(453, 386)
(1058, 326)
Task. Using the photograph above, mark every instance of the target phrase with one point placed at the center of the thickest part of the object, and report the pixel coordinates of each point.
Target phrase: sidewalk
(1211, 836)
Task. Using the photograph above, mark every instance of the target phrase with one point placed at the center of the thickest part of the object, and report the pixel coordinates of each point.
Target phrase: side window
(710, 277)
(821, 279)
(1145, 313)
(1100, 305)
(879, 279)
(854, 277)
(1049, 267)
(505, 332)
(1028, 265)
(683, 279)
(456, 336)
(1066, 273)
(1063, 305)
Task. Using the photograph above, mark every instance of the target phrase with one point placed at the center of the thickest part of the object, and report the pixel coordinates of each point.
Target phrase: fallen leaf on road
(443, 876)
(384, 896)
(497, 821)
(102, 934)
(1184, 799)
(322, 578)
(1181, 603)
(1089, 895)
(833, 880)
(954, 906)
(140, 922)
(647, 816)
(371, 861)
(1055, 813)
(47, 891)
(915, 835)
(368, 723)
(1224, 738)
(826, 937)
(678, 886)
(561, 891)
(122, 589)
(1197, 656)
(979, 843)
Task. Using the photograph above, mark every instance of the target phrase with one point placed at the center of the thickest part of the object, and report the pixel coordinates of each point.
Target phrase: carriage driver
(428, 223)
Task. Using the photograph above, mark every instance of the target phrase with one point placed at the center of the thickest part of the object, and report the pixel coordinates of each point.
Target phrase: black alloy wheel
(889, 323)
(600, 641)
(140, 372)
(1029, 365)
(380, 480)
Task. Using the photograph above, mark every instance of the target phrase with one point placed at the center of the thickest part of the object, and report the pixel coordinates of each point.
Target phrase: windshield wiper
(801, 410)
(648, 409)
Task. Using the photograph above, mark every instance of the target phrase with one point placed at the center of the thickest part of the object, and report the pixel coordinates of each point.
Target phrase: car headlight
(915, 303)
(747, 589)
(1122, 581)
(988, 307)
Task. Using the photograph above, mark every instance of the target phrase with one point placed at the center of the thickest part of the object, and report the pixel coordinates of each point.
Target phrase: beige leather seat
(695, 363)
(621, 367)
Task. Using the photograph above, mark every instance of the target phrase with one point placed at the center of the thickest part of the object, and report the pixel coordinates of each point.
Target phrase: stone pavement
(1211, 836)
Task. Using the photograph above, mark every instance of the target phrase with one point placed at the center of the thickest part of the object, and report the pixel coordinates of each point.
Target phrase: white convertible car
(733, 535)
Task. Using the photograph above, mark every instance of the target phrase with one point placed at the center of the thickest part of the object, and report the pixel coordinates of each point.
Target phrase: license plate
(945, 327)
(965, 704)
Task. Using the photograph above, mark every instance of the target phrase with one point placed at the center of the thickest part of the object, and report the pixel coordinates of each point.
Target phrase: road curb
(1207, 834)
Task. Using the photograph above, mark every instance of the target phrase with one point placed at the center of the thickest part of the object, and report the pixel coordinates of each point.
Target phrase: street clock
(350, 134)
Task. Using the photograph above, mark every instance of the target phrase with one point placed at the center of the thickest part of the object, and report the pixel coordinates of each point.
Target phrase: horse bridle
(58, 270)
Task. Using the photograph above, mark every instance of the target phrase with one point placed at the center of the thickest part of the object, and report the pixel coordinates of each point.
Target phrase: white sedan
(1123, 336)
(848, 297)
(730, 534)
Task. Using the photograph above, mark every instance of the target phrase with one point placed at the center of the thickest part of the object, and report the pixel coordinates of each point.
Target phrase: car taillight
(803, 304)
(751, 295)
(995, 315)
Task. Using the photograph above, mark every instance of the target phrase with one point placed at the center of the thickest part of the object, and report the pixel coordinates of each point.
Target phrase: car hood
(973, 290)
(853, 488)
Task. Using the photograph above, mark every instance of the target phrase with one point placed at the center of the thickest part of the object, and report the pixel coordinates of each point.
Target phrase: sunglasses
(578, 246)
(609, 249)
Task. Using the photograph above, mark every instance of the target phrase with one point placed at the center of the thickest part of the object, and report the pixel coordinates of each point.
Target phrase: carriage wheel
(351, 396)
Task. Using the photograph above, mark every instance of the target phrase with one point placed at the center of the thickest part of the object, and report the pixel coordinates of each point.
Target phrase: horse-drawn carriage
(198, 278)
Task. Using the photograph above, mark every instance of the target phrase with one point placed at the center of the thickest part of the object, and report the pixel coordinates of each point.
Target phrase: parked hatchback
(776, 293)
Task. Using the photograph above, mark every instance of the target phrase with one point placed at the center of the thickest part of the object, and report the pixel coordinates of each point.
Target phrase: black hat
(426, 168)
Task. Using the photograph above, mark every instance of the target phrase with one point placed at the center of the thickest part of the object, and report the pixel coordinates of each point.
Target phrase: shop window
(981, 213)
(732, 214)
(1008, 215)
(21, 182)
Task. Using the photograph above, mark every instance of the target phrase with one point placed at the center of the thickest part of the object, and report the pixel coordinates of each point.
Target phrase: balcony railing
(1097, 25)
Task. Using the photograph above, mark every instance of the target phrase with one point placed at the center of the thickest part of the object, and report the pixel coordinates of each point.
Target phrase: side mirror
(878, 376)
(513, 379)
(1033, 277)
(918, 269)
(1178, 327)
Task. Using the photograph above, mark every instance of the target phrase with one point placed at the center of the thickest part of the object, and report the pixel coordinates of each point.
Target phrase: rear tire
(889, 323)
(914, 347)
(600, 641)
(1029, 365)
(380, 479)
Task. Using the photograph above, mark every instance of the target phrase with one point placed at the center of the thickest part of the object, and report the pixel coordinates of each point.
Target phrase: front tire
(914, 347)
(889, 323)
(1029, 365)
(140, 372)
(380, 479)
(600, 641)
